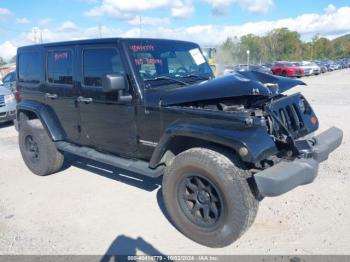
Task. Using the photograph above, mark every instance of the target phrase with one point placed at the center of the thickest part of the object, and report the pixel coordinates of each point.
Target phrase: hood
(248, 83)
(4, 91)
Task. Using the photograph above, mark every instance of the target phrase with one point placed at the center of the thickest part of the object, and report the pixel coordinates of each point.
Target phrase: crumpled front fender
(256, 140)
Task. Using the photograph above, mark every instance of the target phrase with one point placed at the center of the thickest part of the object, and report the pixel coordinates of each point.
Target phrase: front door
(107, 122)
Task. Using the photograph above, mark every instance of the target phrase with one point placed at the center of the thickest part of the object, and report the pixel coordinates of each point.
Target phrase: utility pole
(248, 56)
(35, 36)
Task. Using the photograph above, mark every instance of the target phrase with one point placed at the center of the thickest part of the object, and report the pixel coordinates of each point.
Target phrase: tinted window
(100, 62)
(60, 67)
(29, 67)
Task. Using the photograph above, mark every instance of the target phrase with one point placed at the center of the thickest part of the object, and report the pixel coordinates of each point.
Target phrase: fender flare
(259, 144)
(46, 115)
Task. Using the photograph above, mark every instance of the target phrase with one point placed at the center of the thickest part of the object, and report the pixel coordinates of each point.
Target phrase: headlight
(9, 99)
(302, 106)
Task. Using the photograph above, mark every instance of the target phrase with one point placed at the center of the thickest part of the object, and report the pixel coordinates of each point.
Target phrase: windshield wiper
(197, 76)
(166, 78)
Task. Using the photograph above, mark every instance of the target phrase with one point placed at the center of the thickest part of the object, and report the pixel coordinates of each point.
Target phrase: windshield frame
(143, 81)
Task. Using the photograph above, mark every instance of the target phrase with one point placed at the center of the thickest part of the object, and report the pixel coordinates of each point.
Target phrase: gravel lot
(90, 208)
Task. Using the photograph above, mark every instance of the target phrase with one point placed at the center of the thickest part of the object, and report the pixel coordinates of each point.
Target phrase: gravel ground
(90, 208)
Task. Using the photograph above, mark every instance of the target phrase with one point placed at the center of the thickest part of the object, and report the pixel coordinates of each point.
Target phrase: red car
(287, 69)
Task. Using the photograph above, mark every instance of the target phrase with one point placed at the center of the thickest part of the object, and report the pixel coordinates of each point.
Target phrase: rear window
(29, 67)
(60, 67)
(99, 62)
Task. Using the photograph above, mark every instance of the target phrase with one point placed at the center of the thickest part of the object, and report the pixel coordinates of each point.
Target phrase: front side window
(60, 67)
(99, 62)
(29, 67)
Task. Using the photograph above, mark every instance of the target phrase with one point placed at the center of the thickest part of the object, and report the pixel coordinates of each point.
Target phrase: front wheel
(38, 151)
(208, 197)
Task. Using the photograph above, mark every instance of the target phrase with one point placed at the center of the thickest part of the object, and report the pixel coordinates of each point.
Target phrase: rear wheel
(38, 151)
(284, 73)
(208, 197)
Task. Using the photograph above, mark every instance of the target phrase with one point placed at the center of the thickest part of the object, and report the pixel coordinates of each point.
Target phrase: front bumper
(7, 116)
(287, 175)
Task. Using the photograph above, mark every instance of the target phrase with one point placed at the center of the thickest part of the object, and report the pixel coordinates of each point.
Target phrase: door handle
(87, 100)
(51, 96)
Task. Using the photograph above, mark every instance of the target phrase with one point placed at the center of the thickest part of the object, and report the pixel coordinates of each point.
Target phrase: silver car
(7, 105)
(9, 81)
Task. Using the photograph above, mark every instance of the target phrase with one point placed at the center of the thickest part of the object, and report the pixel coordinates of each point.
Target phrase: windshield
(170, 62)
(290, 64)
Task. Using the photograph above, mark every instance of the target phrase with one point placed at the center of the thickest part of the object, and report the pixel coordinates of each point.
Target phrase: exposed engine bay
(286, 118)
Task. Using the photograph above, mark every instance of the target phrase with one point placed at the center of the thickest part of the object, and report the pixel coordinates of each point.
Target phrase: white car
(310, 68)
(7, 105)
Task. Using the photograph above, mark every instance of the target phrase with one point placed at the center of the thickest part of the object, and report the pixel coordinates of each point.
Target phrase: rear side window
(29, 67)
(60, 67)
(99, 62)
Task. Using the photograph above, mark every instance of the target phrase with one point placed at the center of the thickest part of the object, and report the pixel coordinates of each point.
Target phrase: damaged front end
(256, 96)
(256, 101)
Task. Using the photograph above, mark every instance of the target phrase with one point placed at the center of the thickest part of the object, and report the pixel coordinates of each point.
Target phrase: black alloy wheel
(200, 200)
(32, 148)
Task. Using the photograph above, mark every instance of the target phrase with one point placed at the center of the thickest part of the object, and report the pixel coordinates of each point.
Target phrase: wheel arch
(178, 139)
(28, 110)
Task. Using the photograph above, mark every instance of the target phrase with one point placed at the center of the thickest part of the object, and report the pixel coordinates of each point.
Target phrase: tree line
(3, 62)
(281, 44)
(277, 45)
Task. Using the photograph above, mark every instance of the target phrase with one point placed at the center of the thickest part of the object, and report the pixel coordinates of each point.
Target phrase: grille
(2, 100)
(290, 117)
(288, 112)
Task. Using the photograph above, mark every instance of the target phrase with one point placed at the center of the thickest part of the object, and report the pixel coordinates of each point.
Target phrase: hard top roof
(100, 41)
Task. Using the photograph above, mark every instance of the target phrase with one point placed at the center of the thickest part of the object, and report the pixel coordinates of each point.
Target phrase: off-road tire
(49, 160)
(227, 175)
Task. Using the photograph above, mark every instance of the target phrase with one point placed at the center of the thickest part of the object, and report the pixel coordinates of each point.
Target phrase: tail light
(17, 94)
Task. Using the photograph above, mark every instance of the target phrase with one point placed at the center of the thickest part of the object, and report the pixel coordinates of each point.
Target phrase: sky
(207, 22)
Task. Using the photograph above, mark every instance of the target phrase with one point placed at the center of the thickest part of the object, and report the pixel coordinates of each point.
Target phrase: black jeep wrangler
(153, 107)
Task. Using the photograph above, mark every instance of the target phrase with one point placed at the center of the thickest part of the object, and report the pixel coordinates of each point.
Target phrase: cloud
(7, 50)
(328, 24)
(4, 12)
(221, 7)
(125, 10)
(256, 6)
(68, 26)
(44, 22)
(22, 21)
(330, 9)
(149, 21)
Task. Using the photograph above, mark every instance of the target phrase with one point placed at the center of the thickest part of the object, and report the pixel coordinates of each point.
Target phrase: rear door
(108, 123)
(60, 88)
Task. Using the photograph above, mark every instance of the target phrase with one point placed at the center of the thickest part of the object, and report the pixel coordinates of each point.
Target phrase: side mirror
(114, 82)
